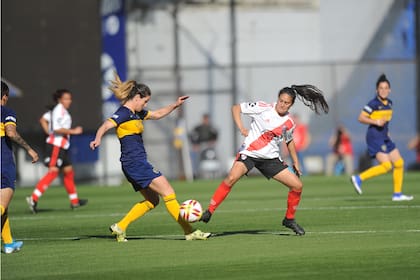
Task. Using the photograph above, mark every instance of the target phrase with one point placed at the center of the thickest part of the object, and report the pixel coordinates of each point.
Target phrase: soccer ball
(191, 210)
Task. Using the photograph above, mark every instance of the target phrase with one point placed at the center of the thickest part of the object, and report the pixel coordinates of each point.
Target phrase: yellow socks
(172, 206)
(398, 175)
(6, 234)
(376, 170)
(138, 210)
(143, 207)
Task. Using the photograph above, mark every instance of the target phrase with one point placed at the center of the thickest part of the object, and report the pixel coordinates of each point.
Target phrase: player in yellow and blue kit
(128, 121)
(377, 114)
(8, 168)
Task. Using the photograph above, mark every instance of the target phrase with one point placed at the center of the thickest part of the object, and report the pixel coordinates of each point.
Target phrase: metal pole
(176, 73)
(233, 66)
(417, 27)
(176, 53)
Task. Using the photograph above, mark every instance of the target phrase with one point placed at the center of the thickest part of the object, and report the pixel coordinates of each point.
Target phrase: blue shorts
(383, 146)
(8, 175)
(140, 174)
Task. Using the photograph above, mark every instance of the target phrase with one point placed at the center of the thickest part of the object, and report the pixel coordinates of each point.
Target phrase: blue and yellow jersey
(378, 109)
(8, 117)
(129, 131)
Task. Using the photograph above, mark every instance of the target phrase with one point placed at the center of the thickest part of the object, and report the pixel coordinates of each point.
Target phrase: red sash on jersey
(267, 136)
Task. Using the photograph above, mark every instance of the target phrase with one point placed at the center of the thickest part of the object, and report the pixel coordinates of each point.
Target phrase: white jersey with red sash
(268, 129)
(58, 118)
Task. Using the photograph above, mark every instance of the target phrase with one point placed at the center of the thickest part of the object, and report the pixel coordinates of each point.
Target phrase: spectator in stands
(302, 139)
(203, 139)
(342, 152)
(414, 144)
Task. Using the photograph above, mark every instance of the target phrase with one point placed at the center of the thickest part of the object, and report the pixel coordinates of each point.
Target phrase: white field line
(41, 216)
(176, 237)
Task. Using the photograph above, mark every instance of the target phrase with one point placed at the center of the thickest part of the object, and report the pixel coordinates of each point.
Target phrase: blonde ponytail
(121, 89)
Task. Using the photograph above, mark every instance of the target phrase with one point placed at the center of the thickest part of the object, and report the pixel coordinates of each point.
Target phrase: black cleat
(291, 223)
(205, 218)
(82, 202)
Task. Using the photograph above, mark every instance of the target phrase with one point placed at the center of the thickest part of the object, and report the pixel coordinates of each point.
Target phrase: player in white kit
(57, 123)
(271, 125)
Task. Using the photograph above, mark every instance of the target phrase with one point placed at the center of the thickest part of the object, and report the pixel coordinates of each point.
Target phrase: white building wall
(333, 30)
(349, 26)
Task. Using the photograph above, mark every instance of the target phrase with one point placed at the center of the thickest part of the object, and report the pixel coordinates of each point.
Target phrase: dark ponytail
(56, 97)
(4, 89)
(382, 78)
(310, 95)
(58, 94)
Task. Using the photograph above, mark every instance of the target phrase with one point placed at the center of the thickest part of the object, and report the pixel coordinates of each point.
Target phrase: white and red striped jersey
(58, 118)
(47, 116)
(267, 131)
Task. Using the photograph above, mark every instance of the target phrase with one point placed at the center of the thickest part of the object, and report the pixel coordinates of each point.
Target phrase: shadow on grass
(181, 237)
(251, 232)
(58, 210)
(42, 210)
(145, 237)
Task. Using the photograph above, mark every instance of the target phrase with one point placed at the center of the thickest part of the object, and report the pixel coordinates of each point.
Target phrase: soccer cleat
(32, 204)
(205, 218)
(357, 183)
(82, 202)
(197, 235)
(118, 232)
(15, 246)
(401, 197)
(291, 223)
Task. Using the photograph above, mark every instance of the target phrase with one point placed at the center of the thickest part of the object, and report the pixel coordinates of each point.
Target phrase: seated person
(342, 150)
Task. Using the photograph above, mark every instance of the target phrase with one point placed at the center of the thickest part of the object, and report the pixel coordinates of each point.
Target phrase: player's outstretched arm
(164, 111)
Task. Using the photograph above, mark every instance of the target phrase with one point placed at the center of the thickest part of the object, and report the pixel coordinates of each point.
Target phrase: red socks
(293, 200)
(219, 195)
(223, 190)
(43, 184)
(68, 181)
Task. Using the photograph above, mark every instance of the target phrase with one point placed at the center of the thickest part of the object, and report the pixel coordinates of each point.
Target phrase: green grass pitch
(347, 236)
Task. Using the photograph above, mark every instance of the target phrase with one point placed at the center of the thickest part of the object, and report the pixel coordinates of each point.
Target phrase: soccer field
(347, 236)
